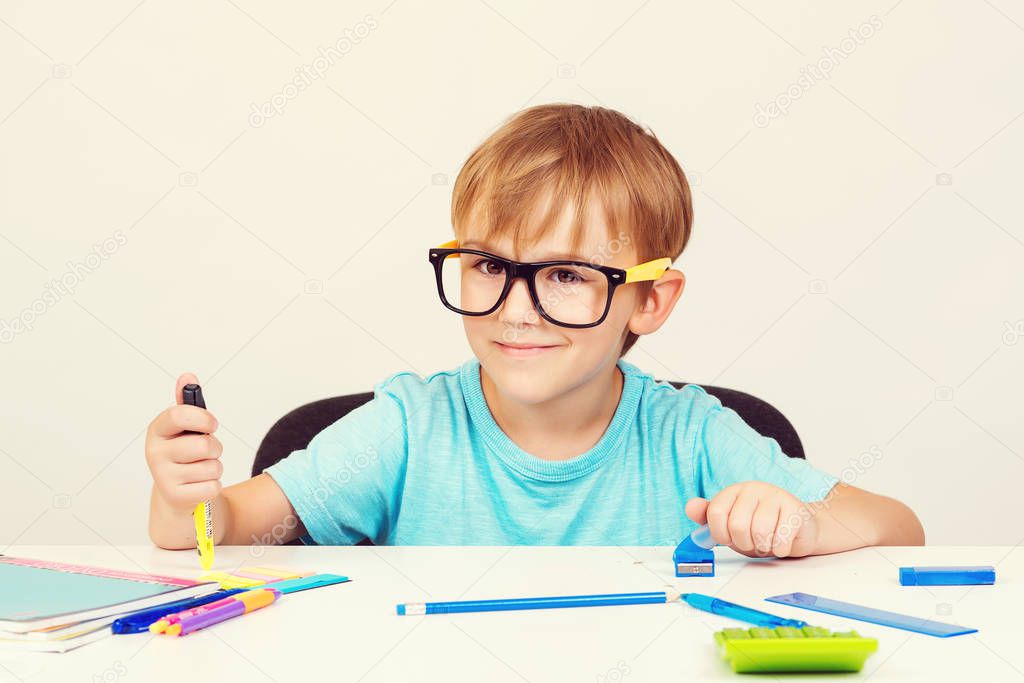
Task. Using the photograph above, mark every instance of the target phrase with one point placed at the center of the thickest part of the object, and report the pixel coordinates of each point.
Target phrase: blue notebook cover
(36, 595)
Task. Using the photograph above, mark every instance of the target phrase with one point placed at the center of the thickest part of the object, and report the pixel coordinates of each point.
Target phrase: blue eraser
(400, 609)
(947, 576)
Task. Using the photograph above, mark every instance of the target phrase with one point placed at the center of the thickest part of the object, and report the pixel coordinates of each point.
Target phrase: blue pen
(417, 608)
(724, 608)
(137, 622)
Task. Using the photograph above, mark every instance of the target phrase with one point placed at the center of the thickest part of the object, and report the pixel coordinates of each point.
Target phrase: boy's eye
(566, 277)
(489, 267)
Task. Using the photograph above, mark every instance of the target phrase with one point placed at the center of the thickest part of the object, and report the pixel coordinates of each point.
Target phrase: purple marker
(239, 604)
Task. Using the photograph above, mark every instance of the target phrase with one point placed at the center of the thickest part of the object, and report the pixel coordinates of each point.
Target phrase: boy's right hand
(186, 468)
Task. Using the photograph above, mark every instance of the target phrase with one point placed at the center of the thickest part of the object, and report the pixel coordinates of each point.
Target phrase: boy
(567, 219)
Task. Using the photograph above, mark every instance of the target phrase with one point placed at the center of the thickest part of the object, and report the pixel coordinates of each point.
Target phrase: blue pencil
(417, 608)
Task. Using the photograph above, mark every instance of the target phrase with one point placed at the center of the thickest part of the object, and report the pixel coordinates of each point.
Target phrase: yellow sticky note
(274, 572)
(228, 581)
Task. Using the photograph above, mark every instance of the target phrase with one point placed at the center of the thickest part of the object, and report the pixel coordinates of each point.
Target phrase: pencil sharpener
(692, 560)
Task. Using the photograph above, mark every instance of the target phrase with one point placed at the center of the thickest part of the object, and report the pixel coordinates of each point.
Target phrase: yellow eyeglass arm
(652, 270)
(451, 244)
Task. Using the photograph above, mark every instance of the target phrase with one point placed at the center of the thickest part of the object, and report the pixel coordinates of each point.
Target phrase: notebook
(57, 639)
(37, 594)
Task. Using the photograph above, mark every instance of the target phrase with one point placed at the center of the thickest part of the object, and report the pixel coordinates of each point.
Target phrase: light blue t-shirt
(425, 463)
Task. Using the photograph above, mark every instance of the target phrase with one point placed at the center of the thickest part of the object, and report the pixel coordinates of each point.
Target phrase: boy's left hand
(757, 519)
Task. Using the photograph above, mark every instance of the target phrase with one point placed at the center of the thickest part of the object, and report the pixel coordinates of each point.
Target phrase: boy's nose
(518, 306)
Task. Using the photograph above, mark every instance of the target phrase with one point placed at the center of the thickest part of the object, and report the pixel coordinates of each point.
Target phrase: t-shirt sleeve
(346, 484)
(728, 451)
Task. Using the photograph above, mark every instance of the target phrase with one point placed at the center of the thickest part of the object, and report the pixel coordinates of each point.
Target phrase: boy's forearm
(850, 518)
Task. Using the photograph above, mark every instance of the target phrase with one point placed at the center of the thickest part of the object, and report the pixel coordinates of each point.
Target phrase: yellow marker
(203, 517)
(192, 395)
(159, 626)
(173, 630)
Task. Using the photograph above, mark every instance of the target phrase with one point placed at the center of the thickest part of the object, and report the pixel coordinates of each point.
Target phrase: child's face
(558, 359)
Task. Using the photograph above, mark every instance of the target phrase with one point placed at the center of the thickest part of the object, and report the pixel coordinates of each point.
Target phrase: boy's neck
(564, 427)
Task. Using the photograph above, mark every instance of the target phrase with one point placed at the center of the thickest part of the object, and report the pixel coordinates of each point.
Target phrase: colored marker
(166, 622)
(202, 516)
(243, 603)
(140, 621)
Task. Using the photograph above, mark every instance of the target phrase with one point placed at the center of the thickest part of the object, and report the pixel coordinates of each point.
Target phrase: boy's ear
(651, 313)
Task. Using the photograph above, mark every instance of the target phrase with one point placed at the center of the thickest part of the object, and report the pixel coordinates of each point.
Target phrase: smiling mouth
(524, 350)
(526, 346)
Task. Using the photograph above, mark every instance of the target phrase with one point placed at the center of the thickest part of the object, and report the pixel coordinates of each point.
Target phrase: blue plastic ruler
(906, 622)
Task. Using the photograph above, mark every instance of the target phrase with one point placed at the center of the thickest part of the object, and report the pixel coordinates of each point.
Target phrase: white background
(856, 261)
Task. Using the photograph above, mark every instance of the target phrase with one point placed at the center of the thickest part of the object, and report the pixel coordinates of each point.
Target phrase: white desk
(350, 632)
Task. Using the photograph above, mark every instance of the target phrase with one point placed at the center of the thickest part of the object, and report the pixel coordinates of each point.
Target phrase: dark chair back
(295, 430)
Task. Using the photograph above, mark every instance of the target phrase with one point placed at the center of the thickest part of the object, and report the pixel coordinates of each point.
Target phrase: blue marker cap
(947, 576)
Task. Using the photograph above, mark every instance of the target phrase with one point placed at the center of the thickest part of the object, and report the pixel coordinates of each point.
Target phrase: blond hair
(573, 155)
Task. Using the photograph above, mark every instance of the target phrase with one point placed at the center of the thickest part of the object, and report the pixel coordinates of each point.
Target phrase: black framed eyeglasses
(567, 293)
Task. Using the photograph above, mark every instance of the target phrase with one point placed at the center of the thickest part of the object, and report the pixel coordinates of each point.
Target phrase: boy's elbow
(911, 531)
(917, 531)
(165, 541)
(161, 542)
